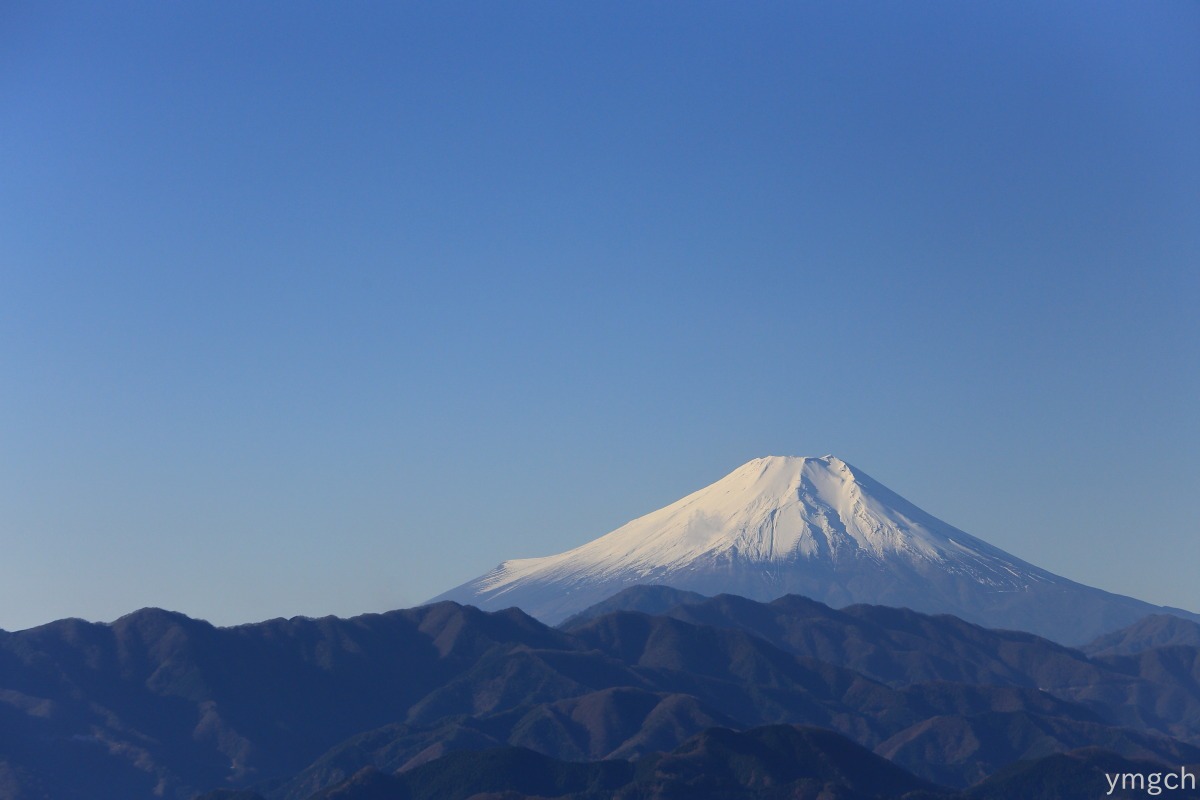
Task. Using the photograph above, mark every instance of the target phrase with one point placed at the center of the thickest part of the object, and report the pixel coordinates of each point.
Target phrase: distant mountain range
(449, 701)
(816, 527)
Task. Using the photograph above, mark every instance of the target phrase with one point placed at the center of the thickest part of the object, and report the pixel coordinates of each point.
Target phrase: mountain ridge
(164, 706)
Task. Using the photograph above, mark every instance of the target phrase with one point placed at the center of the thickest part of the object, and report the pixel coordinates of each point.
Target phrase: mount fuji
(812, 526)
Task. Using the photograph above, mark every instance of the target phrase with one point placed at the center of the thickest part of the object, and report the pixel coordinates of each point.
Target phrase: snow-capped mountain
(812, 526)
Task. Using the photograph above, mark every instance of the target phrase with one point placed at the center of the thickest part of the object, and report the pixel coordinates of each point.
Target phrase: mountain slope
(812, 526)
(646, 599)
(779, 761)
(159, 705)
(1158, 630)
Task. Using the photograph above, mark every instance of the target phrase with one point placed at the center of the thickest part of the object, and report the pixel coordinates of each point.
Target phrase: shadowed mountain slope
(775, 763)
(760, 764)
(160, 702)
(755, 683)
(647, 599)
(1156, 630)
(897, 646)
(159, 705)
(902, 647)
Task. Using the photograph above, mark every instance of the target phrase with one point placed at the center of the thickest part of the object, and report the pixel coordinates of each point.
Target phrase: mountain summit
(813, 526)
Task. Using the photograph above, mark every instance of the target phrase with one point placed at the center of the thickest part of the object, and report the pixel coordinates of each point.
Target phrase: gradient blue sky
(312, 308)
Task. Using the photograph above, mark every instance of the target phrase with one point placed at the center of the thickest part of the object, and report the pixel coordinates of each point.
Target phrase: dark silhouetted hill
(160, 705)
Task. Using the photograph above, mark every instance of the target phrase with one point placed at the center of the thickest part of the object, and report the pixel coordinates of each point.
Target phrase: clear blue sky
(312, 308)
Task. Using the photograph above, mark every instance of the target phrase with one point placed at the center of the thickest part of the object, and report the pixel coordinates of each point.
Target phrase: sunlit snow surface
(771, 518)
(771, 509)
